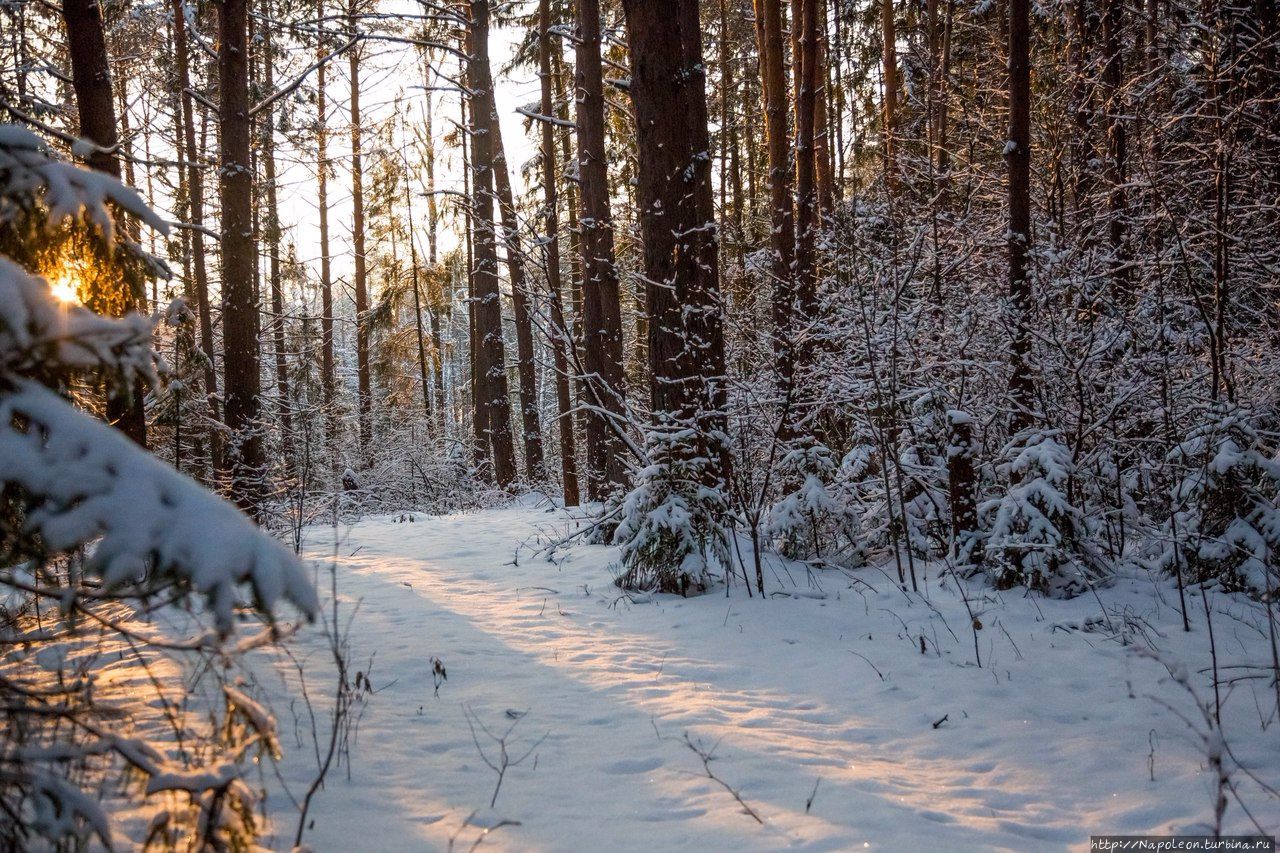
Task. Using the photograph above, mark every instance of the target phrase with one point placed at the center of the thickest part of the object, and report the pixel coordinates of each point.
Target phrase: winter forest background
(946, 330)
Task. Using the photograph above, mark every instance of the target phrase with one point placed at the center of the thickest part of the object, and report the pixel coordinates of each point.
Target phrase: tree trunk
(943, 94)
(364, 388)
(806, 166)
(91, 79)
(961, 482)
(1117, 207)
(491, 365)
(417, 304)
(526, 368)
(479, 380)
(677, 222)
(560, 340)
(435, 297)
(239, 255)
(1082, 153)
(328, 381)
(822, 118)
(773, 83)
(195, 201)
(601, 309)
(1018, 157)
(561, 80)
(283, 408)
(890, 39)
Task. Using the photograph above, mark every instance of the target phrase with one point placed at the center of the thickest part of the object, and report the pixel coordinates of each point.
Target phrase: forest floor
(845, 712)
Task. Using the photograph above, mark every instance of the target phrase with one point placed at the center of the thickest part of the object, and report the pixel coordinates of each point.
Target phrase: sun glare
(63, 287)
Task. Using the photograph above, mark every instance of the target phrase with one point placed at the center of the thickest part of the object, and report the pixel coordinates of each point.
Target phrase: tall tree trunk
(417, 304)
(195, 200)
(933, 39)
(733, 85)
(283, 407)
(822, 117)
(838, 99)
(1018, 157)
(677, 222)
(492, 362)
(479, 378)
(1082, 153)
(1117, 206)
(239, 254)
(130, 177)
(560, 339)
(184, 339)
(364, 388)
(890, 45)
(806, 165)
(328, 380)
(725, 87)
(435, 297)
(773, 83)
(562, 80)
(526, 367)
(91, 79)
(601, 308)
(961, 483)
(943, 94)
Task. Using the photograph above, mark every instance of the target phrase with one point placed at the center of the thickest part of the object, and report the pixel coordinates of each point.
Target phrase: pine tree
(672, 532)
(601, 310)
(239, 260)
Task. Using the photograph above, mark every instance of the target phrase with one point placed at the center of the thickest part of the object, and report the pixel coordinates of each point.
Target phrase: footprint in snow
(632, 766)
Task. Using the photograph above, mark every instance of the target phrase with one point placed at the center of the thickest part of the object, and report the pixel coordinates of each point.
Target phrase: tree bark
(562, 80)
(423, 369)
(560, 339)
(328, 382)
(526, 368)
(601, 308)
(1082, 153)
(195, 201)
(283, 407)
(435, 297)
(364, 388)
(822, 118)
(1117, 206)
(491, 366)
(961, 481)
(677, 222)
(773, 83)
(806, 165)
(1018, 157)
(479, 378)
(239, 259)
(890, 45)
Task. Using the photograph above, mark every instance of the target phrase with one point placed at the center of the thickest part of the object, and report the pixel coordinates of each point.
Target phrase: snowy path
(1042, 746)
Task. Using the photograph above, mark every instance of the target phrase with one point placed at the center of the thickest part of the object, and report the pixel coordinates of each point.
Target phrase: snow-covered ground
(848, 715)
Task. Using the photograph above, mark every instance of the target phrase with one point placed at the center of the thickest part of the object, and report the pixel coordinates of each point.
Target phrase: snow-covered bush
(672, 527)
(813, 519)
(1033, 528)
(1225, 525)
(109, 556)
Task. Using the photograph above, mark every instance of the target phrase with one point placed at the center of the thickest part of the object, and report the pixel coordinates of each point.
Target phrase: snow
(84, 483)
(37, 333)
(846, 691)
(27, 165)
(140, 516)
